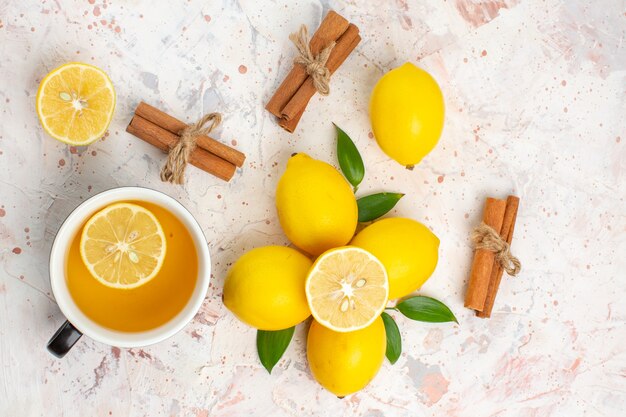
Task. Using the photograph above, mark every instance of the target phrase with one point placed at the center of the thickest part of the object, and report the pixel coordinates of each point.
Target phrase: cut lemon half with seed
(123, 245)
(347, 289)
(75, 103)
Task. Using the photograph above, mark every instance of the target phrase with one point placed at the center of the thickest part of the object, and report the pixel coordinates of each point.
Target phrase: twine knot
(315, 65)
(485, 237)
(178, 157)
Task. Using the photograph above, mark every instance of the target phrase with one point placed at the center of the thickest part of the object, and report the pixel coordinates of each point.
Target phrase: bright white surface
(536, 102)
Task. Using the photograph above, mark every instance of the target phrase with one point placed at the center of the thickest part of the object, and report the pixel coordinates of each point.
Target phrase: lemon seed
(133, 257)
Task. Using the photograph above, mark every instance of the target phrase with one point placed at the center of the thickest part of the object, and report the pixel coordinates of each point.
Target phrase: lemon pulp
(123, 245)
(347, 289)
(75, 103)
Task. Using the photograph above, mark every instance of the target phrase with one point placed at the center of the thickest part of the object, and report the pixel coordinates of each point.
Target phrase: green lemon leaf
(271, 345)
(350, 159)
(394, 340)
(373, 206)
(422, 308)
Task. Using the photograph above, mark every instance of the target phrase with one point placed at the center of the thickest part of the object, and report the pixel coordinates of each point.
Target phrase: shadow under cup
(157, 325)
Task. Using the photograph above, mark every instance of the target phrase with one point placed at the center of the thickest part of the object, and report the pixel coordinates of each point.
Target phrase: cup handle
(63, 340)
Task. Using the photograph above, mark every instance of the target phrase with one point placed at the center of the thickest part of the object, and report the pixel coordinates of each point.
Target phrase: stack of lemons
(343, 280)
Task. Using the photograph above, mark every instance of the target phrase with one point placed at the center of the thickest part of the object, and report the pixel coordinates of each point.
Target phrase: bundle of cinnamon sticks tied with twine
(185, 143)
(492, 240)
(318, 58)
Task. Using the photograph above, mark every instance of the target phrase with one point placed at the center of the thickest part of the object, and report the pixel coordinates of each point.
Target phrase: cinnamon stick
(331, 28)
(483, 263)
(294, 110)
(345, 44)
(165, 140)
(173, 125)
(508, 227)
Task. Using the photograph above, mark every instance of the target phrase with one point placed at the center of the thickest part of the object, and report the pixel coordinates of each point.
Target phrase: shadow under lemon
(150, 305)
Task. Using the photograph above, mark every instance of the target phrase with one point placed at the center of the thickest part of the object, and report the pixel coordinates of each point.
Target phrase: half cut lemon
(123, 245)
(75, 103)
(347, 289)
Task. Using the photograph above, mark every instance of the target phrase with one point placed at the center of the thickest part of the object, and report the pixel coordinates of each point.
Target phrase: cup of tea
(104, 295)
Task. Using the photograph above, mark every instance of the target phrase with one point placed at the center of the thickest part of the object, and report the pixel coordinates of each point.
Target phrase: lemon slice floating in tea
(123, 245)
(347, 289)
(75, 103)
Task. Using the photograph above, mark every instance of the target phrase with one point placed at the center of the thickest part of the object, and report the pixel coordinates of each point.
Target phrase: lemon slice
(347, 289)
(75, 103)
(123, 245)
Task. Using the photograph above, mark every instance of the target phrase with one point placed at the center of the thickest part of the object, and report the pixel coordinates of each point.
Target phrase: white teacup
(77, 322)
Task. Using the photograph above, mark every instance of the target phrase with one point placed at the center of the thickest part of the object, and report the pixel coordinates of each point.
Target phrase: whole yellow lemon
(406, 110)
(407, 248)
(345, 363)
(316, 206)
(265, 288)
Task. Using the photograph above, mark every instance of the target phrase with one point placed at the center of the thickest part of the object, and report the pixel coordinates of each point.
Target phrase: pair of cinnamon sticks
(162, 130)
(486, 273)
(293, 95)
